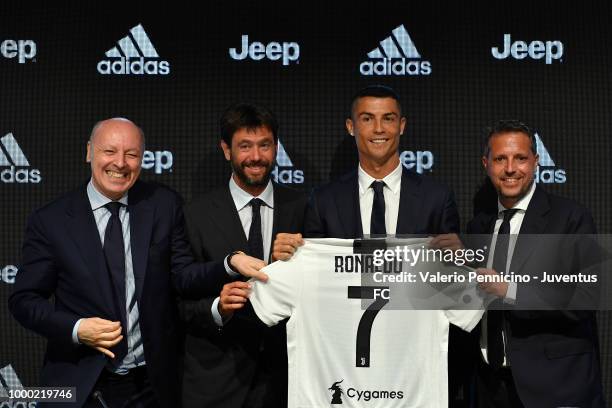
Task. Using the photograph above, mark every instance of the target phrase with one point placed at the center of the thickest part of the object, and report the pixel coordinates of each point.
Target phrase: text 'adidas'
(12, 156)
(396, 55)
(134, 55)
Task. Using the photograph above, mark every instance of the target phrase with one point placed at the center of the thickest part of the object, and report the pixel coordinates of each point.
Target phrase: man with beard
(229, 360)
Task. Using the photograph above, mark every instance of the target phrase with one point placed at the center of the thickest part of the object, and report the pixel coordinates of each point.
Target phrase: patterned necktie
(377, 221)
(114, 252)
(255, 239)
(495, 318)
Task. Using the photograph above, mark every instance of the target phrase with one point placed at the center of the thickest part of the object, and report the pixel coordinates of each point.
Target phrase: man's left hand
(498, 289)
(248, 266)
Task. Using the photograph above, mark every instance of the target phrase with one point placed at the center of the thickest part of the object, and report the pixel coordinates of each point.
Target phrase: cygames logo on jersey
(288, 52)
(23, 50)
(134, 55)
(396, 55)
(283, 171)
(12, 156)
(336, 393)
(8, 274)
(549, 50)
(366, 395)
(159, 160)
(547, 172)
(420, 161)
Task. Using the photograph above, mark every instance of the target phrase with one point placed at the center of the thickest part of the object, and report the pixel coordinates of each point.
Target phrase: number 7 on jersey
(364, 330)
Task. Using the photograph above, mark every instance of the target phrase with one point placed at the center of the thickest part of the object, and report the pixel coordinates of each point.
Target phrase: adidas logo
(134, 55)
(12, 156)
(547, 172)
(396, 55)
(8, 273)
(10, 381)
(283, 171)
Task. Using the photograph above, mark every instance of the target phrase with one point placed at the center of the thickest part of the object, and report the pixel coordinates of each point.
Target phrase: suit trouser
(495, 388)
(122, 391)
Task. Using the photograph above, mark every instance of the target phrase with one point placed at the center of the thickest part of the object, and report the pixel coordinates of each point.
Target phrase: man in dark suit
(532, 358)
(380, 197)
(247, 362)
(114, 254)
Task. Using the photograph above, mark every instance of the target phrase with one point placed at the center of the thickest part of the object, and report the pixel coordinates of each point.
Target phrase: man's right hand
(285, 246)
(447, 241)
(100, 334)
(233, 297)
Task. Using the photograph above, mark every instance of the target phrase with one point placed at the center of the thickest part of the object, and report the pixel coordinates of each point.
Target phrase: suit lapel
(226, 219)
(347, 203)
(83, 231)
(534, 223)
(282, 215)
(141, 226)
(410, 204)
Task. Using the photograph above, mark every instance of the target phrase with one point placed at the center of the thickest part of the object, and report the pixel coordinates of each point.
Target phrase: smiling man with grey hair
(114, 254)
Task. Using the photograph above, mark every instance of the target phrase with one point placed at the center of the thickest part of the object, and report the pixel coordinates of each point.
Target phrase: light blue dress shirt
(135, 350)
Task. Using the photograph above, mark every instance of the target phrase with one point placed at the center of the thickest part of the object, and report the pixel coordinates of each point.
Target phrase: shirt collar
(97, 199)
(521, 204)
(242, 198)
(393, 180)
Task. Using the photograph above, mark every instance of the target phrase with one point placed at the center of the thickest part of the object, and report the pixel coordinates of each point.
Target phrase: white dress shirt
(515, 226)
(391, 192)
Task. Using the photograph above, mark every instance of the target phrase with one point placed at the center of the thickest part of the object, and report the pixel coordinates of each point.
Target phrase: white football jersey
(347, 350)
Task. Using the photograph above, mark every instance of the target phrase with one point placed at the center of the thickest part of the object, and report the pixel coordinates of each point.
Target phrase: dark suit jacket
(243, 364)
(553, 354)
(426, 207)
(62, 256)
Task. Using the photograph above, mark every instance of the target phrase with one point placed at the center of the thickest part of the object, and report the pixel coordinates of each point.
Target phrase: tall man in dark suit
(247, 363)
(380, 196)
(114, 254)
(532, 358)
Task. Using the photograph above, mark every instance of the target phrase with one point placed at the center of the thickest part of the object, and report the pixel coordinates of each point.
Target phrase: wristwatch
(229, 260)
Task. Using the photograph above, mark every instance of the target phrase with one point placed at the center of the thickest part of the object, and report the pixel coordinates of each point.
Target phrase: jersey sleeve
(276, 299)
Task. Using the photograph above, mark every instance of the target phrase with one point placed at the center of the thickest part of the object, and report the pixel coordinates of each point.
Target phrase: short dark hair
(377, 91)
(246, 115)
(508, 126)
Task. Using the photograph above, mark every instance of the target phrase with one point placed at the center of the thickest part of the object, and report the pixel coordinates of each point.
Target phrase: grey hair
(99, 124)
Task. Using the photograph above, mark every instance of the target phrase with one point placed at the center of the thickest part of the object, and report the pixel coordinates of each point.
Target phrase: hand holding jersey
(453, 242)
(233, 297)
(325, 308)
(285, 246)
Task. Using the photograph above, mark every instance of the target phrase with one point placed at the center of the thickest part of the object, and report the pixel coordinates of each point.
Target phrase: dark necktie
(377, 221)
(495, 318)
(114, 252)
(255, 238)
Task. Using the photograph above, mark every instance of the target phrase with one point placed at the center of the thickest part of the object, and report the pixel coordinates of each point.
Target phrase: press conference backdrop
(173, 68)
